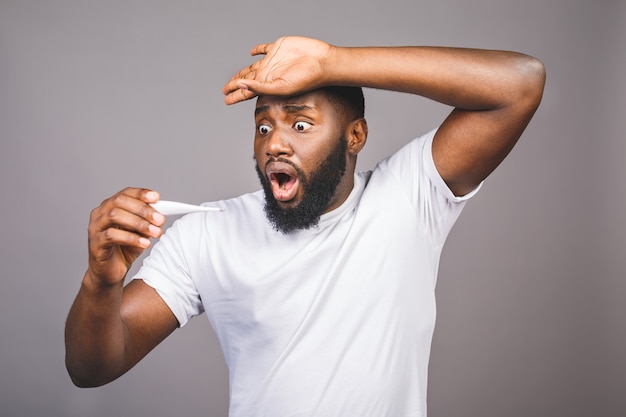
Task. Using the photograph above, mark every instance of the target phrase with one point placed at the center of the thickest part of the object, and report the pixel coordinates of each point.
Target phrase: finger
(260, 49)
(126, 212)
(137, 201)
(245, 82)
(104, 246)
(133, 216)
(143, 194)
(246, 73)
(241, 74)
(232, 85)
(117, 237)
(239, 94)
(122, 219)
(112, 252)
(102, 241)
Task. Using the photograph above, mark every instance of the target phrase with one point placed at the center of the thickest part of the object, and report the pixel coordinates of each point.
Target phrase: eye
(302, 126)
(264, 129)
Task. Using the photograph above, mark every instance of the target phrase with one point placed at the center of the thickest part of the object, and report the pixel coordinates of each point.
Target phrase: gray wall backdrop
(95, 96)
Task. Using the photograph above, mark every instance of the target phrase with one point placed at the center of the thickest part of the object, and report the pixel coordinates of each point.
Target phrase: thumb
(275, 87)
(241, 93)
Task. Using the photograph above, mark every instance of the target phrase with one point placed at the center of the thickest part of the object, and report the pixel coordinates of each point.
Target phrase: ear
(357, 136)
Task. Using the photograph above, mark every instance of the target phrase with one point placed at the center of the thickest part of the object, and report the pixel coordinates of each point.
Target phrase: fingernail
(144, 242)
(154, 231)
(158, 217)
(152, 195)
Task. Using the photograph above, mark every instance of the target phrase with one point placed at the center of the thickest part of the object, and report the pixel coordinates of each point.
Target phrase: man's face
(300, 150)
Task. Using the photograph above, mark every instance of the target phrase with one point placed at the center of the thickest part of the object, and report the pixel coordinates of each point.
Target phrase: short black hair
(349, 100)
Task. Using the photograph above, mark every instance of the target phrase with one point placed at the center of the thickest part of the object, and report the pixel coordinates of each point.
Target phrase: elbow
(80, 383)
(85, 379)
(530, 81)
(88, 382)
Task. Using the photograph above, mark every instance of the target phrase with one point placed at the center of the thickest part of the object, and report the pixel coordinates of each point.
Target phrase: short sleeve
(166, 270)
(431, 171)
(414, 170)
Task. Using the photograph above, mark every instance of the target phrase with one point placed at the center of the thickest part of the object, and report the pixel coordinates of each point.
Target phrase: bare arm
(111, 327)
(494, 93)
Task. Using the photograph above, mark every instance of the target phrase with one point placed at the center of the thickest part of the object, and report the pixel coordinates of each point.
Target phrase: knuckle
(128, 239)
(118, 199)
(113, 213)
(145, 228)
(94, 214)
(109, 234)
(145, 211)
(105, 202)
(91, 229)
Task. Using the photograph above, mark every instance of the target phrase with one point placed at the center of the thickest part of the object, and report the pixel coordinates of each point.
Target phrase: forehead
(312, 102)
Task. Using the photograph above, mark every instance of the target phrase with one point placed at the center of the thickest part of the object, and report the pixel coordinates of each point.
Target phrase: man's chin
(289, 216)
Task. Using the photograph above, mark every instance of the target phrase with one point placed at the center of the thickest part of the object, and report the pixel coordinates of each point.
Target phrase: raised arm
(111, 327)
(494, 93)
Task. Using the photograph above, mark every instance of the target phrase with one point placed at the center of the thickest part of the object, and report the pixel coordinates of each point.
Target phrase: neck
(343, 189)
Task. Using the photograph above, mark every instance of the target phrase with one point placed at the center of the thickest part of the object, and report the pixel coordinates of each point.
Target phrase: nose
(277, 144)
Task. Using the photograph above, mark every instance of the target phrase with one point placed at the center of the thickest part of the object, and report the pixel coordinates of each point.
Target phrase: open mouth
(284, 180)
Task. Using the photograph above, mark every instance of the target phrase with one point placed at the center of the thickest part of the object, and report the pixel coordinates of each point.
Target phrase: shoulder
(413, 166)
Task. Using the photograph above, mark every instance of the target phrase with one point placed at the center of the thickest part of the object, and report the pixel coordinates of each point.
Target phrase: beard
(318, 190)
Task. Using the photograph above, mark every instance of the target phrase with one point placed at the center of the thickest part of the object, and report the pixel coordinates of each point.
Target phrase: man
(320, 288)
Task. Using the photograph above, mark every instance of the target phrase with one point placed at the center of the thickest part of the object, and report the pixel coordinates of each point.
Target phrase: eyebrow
(289, 108)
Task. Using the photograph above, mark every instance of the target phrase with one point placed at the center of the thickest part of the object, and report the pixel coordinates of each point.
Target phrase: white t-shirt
(332, 321)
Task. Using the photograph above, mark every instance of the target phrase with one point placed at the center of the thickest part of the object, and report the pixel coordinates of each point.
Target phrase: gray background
(95, 96)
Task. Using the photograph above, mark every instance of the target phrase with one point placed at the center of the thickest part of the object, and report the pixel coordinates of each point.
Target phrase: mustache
(283, 160)
(272, 159)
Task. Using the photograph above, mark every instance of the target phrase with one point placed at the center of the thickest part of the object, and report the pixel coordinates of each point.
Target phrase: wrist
(350, 66)
(337, 66)
(96, 285)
